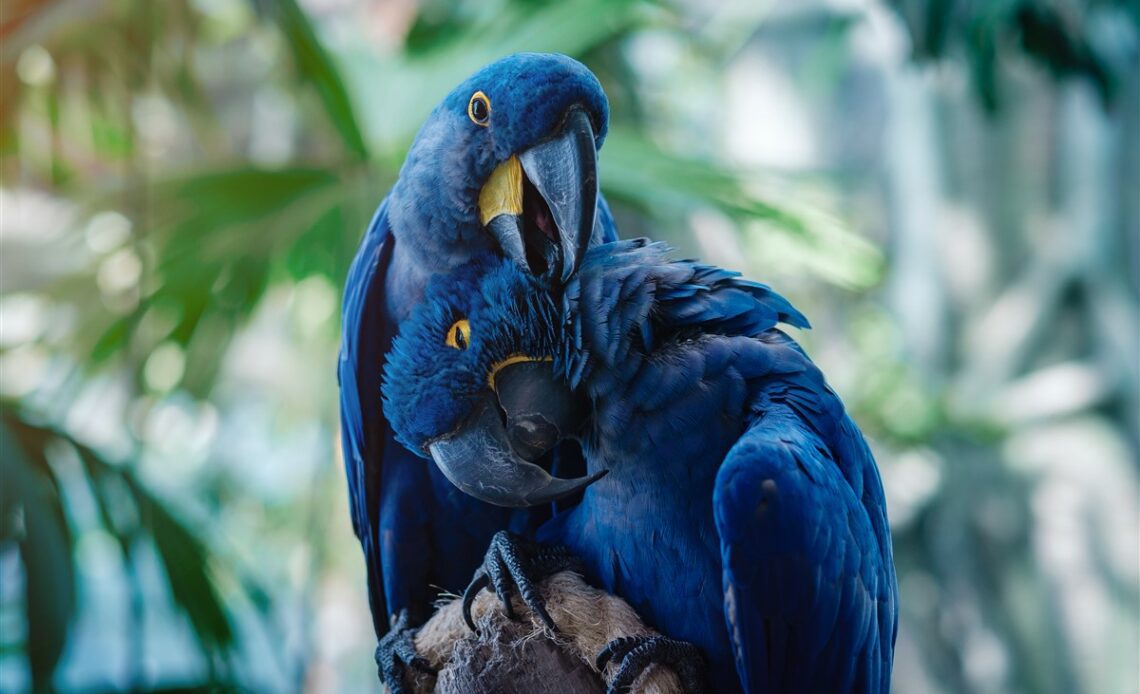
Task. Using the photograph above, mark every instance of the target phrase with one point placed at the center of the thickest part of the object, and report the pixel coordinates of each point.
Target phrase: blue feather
(742, 511)
(737, 486)
(417, 531)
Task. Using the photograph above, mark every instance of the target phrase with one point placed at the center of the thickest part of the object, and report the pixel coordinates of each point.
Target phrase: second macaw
(506, 165)
(727, 495)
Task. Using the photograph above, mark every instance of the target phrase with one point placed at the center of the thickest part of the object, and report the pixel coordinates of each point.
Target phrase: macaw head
(511, 151)
(474, 382)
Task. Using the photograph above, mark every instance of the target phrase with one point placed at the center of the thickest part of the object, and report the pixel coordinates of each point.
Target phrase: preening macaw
(505, 164)
(727, 495)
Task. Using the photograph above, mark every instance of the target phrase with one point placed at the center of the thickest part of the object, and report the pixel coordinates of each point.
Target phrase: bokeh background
(949, 189)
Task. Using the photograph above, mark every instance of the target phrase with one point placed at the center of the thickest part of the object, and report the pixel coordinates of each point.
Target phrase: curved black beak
(492, 455)
(541, 205)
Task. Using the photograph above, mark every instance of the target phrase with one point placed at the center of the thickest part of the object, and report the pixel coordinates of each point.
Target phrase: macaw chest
(654, 544)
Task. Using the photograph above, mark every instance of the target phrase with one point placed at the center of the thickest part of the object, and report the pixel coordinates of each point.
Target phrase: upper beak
(540, 205)
(493, 461)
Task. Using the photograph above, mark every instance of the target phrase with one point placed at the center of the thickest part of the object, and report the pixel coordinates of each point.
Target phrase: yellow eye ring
(479, 109)
(459, 334)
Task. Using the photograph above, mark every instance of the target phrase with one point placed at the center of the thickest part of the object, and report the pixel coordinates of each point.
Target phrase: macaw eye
(479, 109)
(459, 334)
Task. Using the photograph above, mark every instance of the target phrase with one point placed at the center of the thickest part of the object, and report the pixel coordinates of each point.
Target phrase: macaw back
(736, 480)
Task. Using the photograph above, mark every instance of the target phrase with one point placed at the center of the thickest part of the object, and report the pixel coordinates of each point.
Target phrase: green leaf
(184, 555)
(397, 93)
(185, 559)
(637, 171)
(112, 339)
(45, 548)
(326, 248)
(666, 186)
(218, 237)
(213, 200)
(315, 66)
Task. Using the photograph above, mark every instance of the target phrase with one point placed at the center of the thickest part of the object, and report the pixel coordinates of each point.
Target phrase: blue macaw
(505, 164)
(727, 495)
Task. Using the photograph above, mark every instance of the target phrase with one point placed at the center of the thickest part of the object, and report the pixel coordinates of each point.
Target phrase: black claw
(397, 651)
(635, 653)
(478, 583)
(536, 604)
(632, 665)
(615, 650)
(515, 563)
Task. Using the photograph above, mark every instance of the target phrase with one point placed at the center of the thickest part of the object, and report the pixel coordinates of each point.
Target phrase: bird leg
(512, 563)
(633, 654)
(396, 652)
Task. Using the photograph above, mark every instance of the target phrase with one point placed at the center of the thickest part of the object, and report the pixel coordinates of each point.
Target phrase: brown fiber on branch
(522, 656)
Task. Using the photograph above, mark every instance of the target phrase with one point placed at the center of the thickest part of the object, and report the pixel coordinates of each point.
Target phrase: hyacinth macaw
(727, 495)
(505, 164)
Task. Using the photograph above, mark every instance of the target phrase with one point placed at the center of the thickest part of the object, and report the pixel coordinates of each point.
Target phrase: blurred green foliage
(1059, 36)
(214, 162)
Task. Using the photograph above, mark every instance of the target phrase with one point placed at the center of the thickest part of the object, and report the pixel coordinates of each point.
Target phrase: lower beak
(541, 205)
(480, 460)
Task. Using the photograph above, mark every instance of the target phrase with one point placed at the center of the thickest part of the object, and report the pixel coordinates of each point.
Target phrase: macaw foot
(514, 562)
(397, 651)
(635, 653)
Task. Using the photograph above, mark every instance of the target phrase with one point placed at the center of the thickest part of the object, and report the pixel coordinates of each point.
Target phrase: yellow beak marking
(503, 191)
(513, 359)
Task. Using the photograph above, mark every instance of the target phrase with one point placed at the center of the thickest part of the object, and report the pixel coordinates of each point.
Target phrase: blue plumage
(742, 511)
(418, 532)
(509, 312)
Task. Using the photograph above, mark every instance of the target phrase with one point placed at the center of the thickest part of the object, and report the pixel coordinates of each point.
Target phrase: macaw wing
(810, 594)
(639, 296)
(366, 335)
